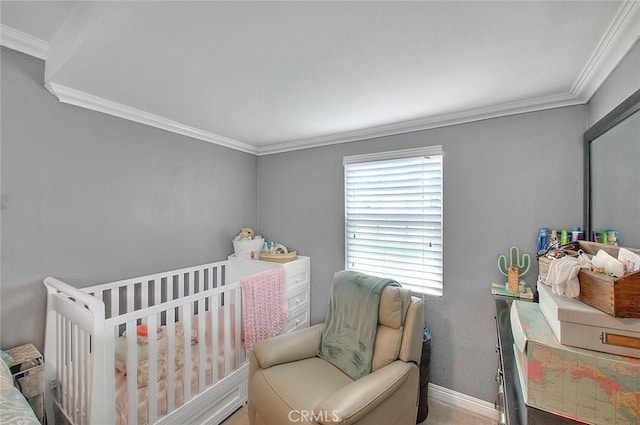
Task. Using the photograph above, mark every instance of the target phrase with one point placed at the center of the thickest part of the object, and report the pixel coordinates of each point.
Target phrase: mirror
(612, 173)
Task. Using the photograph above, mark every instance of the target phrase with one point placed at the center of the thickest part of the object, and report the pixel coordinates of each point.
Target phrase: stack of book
(501, 289)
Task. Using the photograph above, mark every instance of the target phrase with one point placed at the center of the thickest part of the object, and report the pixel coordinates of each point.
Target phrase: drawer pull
(297, 322)
(298, 279)
(298, 300)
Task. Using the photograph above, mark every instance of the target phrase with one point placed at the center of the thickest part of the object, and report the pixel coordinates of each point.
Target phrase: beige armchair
(289, 383)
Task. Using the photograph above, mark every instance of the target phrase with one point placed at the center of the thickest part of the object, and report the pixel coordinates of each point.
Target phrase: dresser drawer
(298, 278)
(297, 319)
(298, 296)
(297, 266)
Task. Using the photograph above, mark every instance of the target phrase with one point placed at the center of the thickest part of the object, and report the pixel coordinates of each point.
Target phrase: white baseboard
(475, 405)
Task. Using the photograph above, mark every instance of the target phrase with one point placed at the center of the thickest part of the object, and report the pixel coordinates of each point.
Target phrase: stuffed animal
(245, 234)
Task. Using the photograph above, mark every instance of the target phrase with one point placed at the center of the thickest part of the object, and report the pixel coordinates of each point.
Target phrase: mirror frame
(621, 112)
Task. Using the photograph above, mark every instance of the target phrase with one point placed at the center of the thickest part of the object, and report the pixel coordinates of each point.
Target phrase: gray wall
(503, 179)
(623, 81)
(91, 198)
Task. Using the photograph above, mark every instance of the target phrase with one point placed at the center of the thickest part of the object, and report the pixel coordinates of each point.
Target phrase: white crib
(84, 327)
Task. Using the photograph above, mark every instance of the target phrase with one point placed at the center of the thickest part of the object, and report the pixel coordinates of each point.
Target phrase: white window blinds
(393, 210)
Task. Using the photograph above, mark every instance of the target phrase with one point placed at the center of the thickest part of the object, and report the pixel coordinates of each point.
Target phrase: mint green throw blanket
(349, 335)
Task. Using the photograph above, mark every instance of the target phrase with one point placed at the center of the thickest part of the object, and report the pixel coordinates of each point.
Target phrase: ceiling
(266, 77)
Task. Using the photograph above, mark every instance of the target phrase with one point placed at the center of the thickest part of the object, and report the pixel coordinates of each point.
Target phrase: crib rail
(75, 321)
(84, 325)
(141, 292)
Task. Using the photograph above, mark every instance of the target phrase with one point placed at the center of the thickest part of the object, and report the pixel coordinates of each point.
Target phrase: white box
(580, 325)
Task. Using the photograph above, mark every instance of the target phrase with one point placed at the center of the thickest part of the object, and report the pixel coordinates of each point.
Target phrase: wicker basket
(278, 258)
(543, 268)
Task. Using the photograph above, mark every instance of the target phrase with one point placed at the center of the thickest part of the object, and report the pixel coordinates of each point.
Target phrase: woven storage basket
(543, 268)
(278, 258)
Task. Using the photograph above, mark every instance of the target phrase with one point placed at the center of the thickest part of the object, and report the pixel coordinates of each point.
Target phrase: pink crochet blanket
(264, 305)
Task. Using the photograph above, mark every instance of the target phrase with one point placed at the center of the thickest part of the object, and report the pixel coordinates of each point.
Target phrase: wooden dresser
(510, 403)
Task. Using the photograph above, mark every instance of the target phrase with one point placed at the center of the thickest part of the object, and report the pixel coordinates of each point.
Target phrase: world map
(585, 385)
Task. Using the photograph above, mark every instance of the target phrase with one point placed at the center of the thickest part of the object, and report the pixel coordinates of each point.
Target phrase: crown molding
(618, 40)
(23, 42)
(444, 120)
(95, 103)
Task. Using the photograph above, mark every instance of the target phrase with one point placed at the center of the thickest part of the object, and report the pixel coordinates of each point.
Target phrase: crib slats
(144, 294)
(220, 275)
(110, 379)
(192, 283)
(180, 291)
(186, 320)
(214, 338)
(157, 291)
(132, 372)
(153, 369)
(67, 365)
(115, 301)
(130, 298)
(59, 350)
(85, 373)
(227, 335)
(238, 328)
(75, 373)
(171, 360)
(202, 345)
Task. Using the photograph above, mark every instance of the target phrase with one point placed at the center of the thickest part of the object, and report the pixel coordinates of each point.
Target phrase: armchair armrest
(355, 400)
(297, 345)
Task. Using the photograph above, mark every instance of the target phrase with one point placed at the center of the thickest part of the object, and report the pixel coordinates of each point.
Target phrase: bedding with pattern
(15, 408)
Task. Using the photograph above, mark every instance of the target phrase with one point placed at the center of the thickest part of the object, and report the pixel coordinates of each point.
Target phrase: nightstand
(28, 374)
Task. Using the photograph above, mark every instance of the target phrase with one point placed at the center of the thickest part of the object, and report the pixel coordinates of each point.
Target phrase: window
(393, 213)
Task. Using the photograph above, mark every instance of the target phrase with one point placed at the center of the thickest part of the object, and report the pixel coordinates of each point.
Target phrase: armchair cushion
(291, 388)
(288, 347)
(393, 307)
(387, 346)
(355, 400)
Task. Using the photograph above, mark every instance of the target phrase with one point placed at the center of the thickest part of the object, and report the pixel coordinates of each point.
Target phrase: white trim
(95, 103)
(399, 154)
(620, 37)
(618, 40)
(23, 42)
(463, 401)
(471, 115)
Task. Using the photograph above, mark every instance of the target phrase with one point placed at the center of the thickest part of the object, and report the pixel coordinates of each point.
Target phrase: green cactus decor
(516, 267)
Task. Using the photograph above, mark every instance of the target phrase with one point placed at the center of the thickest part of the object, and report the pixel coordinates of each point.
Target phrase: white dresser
(297, 275)
(298, 281)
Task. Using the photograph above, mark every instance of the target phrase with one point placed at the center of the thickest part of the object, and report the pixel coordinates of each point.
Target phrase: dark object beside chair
(423, 404)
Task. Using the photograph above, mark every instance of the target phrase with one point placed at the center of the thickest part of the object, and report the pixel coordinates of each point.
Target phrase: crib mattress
(121, 396)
